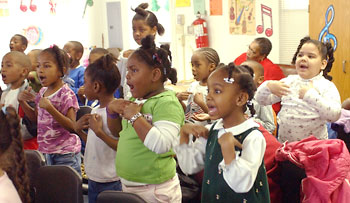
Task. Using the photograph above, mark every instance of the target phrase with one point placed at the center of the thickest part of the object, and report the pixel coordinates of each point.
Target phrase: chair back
(56, 184)
(109, 196)
(34, 160)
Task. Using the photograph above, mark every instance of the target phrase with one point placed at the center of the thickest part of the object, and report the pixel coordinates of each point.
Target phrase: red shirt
(271, 72)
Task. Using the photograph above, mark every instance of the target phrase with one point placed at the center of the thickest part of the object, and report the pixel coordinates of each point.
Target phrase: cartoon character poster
(242, 17)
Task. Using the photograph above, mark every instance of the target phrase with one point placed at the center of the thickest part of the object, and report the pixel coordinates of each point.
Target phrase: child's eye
(300, 55)
(217, 91)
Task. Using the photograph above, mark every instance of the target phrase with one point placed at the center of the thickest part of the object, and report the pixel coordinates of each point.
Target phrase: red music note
(23, 7)
(32, 6)
(53, 7)
(265, 10)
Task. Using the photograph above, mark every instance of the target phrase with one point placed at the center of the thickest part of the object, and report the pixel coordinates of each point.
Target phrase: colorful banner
(183, 3)
(242, 17)
(215, 7)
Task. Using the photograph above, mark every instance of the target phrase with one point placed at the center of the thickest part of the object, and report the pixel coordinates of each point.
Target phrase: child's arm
(240, 172)
(190, 155)
(271, 91)
(81, 125)
(115, 107)
(96, 125)
(228, 143)
(181, 96)
(66, 121)
(199, 99)
(23, 97)
(327, 104)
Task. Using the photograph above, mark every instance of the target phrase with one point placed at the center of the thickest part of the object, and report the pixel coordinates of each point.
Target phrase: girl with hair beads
(55, 112)
(151, 123)
(309, 100)
(204, 61)
(14, 183)
(101, 78)
(232, 151)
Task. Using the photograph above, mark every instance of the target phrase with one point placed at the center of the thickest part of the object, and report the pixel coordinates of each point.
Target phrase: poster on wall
(242, 17)
(199, 6)
(4, 8)
(215, 7)
(33, 34)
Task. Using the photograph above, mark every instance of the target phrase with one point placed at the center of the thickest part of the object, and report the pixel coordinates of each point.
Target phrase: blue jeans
(96, 188)
(70, 159)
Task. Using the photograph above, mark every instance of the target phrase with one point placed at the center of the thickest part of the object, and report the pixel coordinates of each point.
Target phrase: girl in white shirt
(232, 151)
(309, 100)
(14, 184)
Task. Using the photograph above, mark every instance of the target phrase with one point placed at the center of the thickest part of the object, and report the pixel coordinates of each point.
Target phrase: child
(14, 182)
(33, 79)
(75, 50)
(204, 61)
(18, 43)
(308, 99)
(232, 152)
(145, 161)
(263, 114)
(144, 23)
(102, 78)
(55, 111)
(15, 67)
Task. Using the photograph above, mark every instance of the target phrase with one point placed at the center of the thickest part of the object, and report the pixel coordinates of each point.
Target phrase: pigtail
(302, 42)
(169, 72)
(141, 9)
(160, 29)
(330, 60)
(250, 106)
(10, 136)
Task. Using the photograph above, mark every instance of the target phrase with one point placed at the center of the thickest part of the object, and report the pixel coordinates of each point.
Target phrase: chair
(82, 111)
(109, 196)
(34, 160)
(56, 184)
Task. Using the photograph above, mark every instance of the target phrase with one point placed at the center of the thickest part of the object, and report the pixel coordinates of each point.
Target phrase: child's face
(89, 87)
(33, 60)
(48, 71)
(16, 44)
(74, 55)
(201, 68)
(222, 96)
(94, 57)
(12, 72)
(253, 52)
(140, 30)
(139, 77)
(309, 62)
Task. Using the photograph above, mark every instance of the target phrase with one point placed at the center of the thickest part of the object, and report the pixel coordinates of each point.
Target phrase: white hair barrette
(231, 80)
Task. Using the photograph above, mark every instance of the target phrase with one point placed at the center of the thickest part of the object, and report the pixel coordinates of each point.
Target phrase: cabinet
(339, 27)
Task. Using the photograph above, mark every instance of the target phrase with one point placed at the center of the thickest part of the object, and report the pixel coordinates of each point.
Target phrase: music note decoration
(265, 10)
(324, 35)
(242, 17)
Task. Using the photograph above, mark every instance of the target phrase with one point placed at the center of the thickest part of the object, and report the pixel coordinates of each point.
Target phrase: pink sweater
(327, 167)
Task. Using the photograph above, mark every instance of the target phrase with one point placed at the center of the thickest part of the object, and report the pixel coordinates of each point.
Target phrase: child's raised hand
(82, 123)
(228, 142)
(278, 88)
(198, 98)
(26, 95)
(201, 117)
(130, 110)
(183, 95)
(118, 105)
(304, 89)
(95, 123)
(195, 130)
(45, 103)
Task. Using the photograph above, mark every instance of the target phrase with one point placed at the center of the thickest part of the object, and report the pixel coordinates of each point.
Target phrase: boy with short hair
(263, 114)
(18, 43)
(76, 72)
(15, 68)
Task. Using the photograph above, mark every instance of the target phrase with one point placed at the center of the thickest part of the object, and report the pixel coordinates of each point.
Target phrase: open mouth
(42, 79)
(303, 67)
(130, 86)
(212, 110)
(3, 77)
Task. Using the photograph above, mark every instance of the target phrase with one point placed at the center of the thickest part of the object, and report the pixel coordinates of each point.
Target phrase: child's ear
(242, 98)
(212, 67)
(79, 55)
(154, 30)
(64, 71)
(261, 79)
(324, 64)
(97, 87)
(156, 74)
(25, 72)
(23, 47)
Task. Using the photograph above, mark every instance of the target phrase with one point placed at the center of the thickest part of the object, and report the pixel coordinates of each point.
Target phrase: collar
(238, 129)
(317, 77)
(162, 94)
